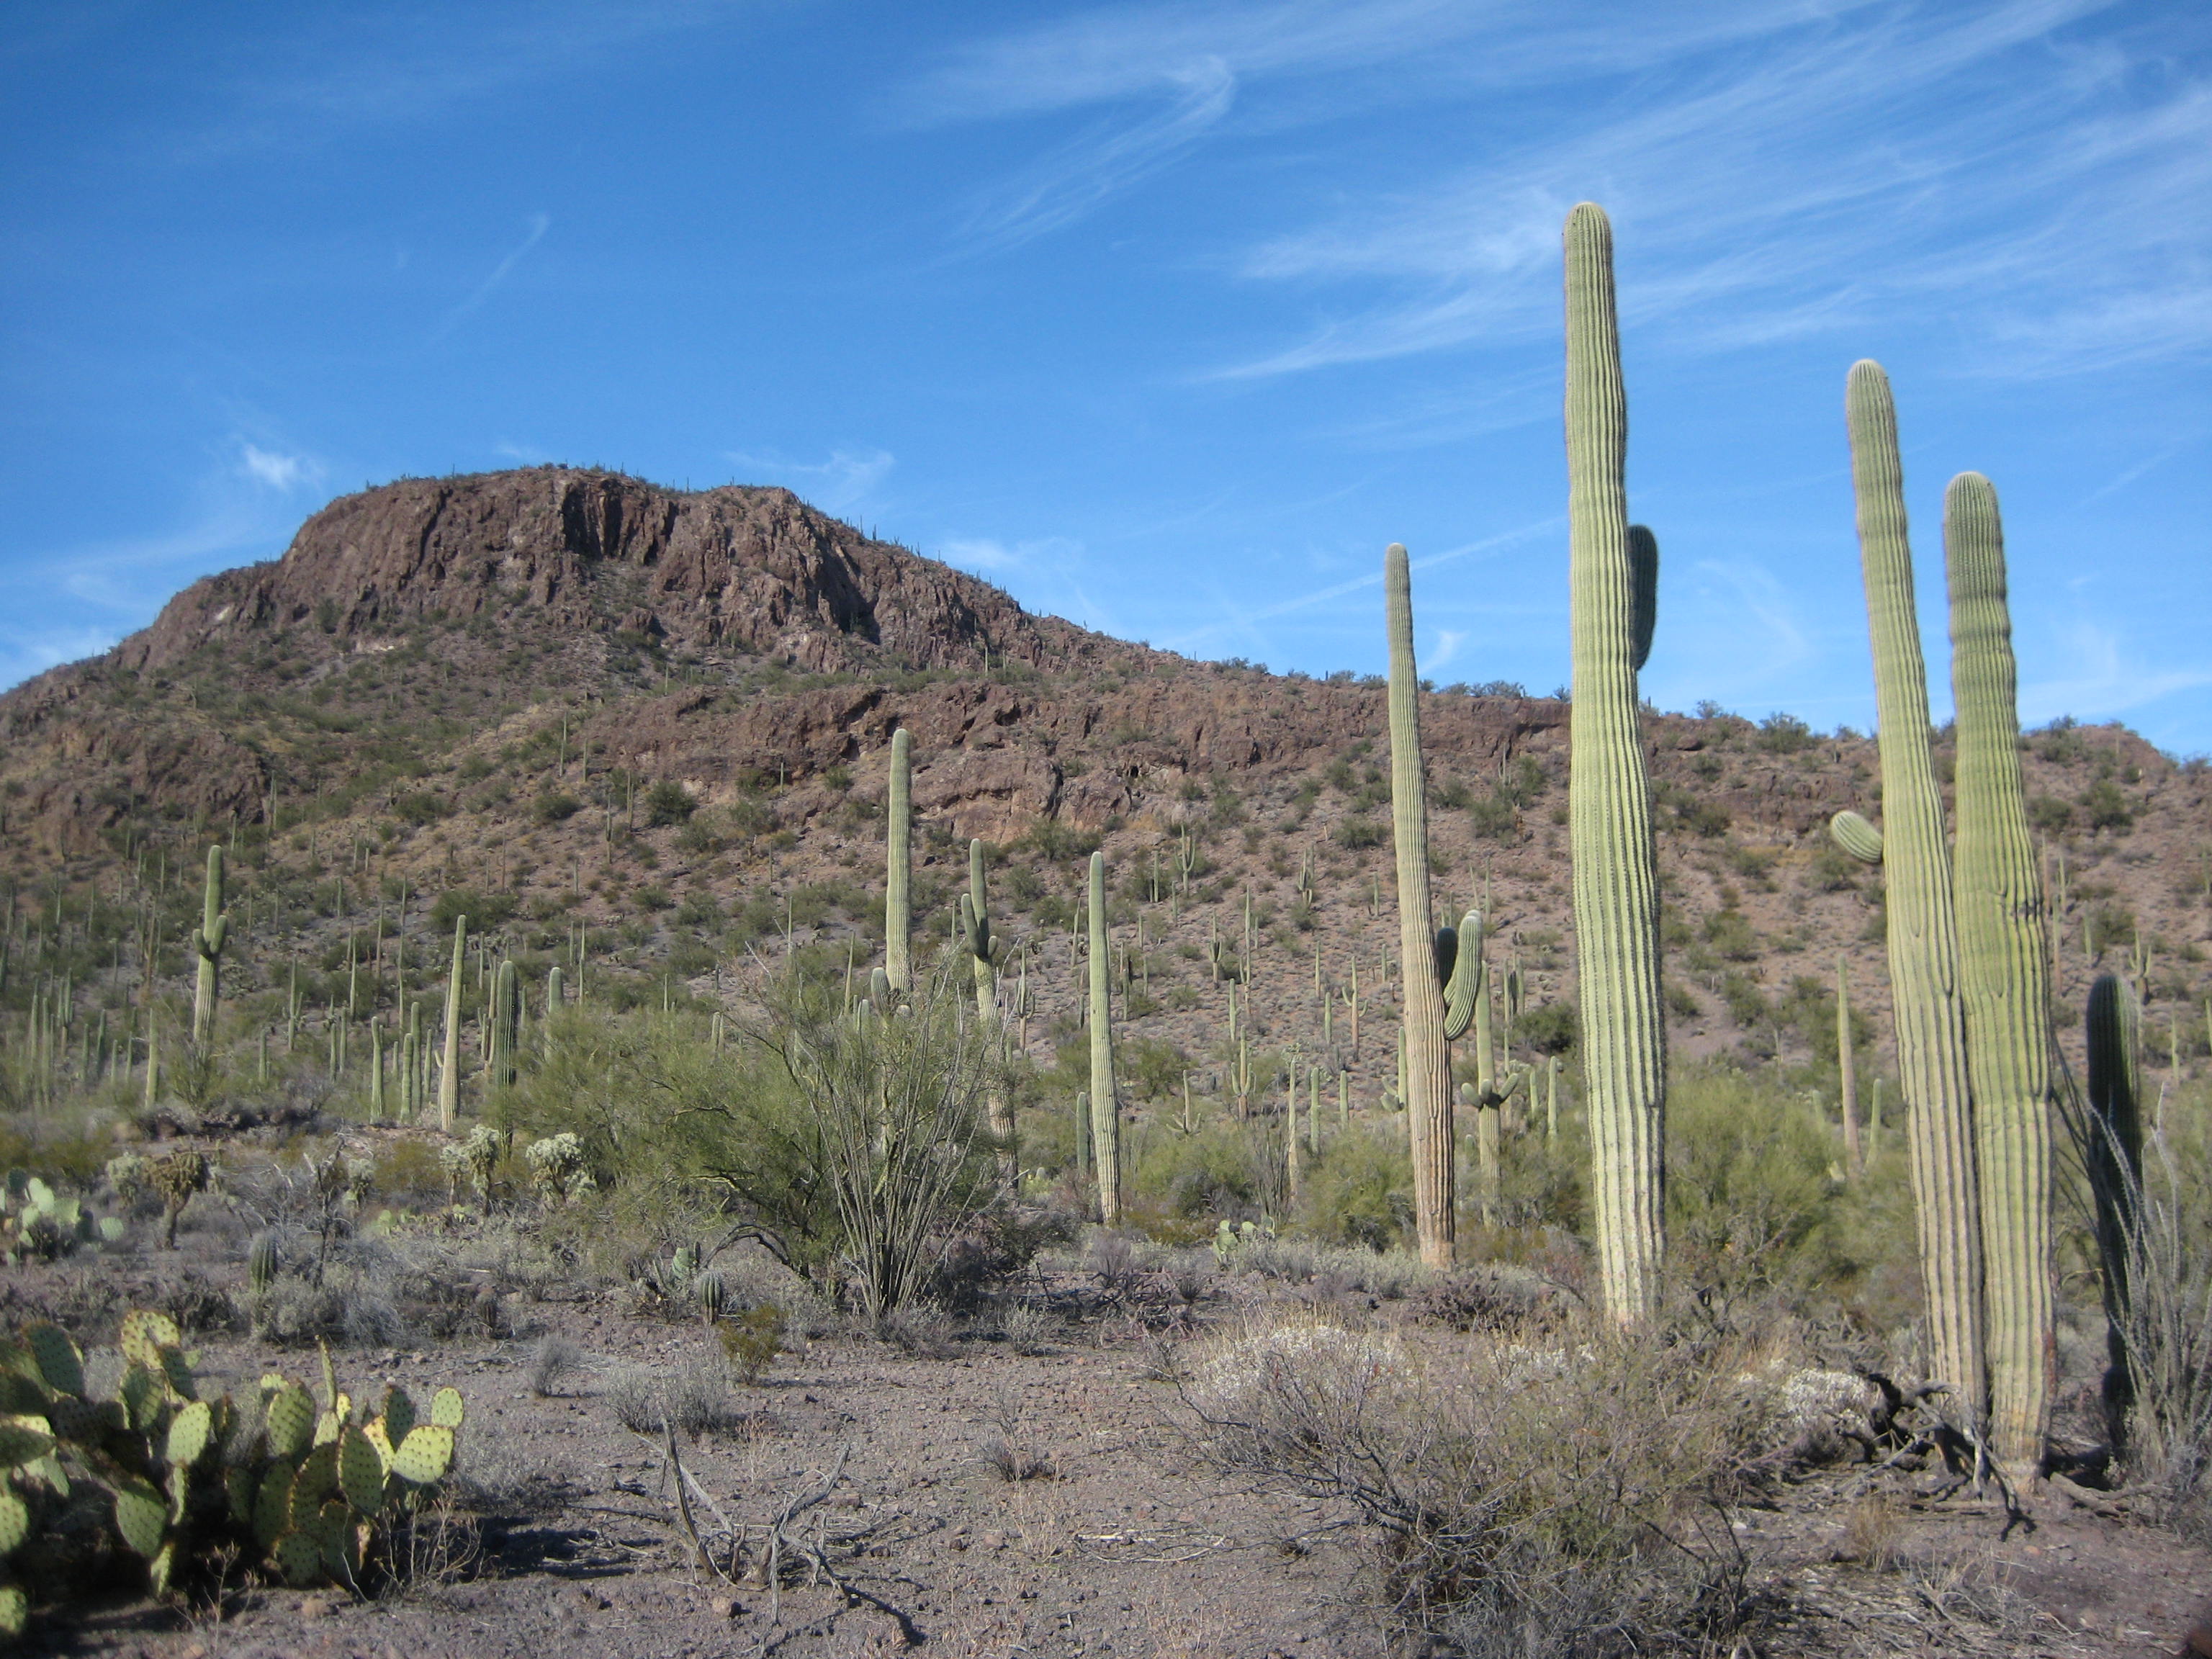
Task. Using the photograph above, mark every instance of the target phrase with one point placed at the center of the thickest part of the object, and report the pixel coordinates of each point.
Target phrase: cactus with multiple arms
(208, 941)
(2004, 982)
(1426, 1083)
(898, 922)
(1616, 888)
(1105, 1113)
(1924, 968)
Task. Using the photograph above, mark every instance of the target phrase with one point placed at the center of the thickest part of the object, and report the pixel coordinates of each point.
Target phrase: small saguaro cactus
(1425, 1085)
(1847, 1088)
(449, 1078)
(1614, 587)
(504, 1025)
(1105, 1113)
(898, 922)
(2004, 981)
(976, 930)
(208, 941)
(1923, 957)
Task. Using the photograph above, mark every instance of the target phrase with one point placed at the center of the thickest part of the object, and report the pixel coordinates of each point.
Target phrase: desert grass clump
(1557, 1494)
(552, 1363)
(1029, 1329)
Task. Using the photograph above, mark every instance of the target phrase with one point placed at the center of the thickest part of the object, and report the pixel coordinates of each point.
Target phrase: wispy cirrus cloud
(538, 223)
(1971, 164)
(845, 481)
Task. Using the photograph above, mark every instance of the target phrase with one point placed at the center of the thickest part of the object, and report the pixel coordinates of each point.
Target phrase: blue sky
(1165, 317)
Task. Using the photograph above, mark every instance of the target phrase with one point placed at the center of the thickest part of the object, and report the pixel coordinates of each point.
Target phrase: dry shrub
(1561, 1498)
(1029, 1329)
(692, 1397)
(552, 1362)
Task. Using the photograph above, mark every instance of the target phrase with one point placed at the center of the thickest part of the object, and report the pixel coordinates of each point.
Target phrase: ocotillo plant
(449, 1080)
(1426, 1084)
(1105, 1113)
(208, 940)
(1616, 886)
(2004, 981)
(2113, 1153)
(1924, 969)
(897, 916)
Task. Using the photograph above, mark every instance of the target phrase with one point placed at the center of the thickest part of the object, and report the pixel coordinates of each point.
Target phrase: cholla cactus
(475, 1160)
(130, 1175)
(177, 1177)
(558, 1167)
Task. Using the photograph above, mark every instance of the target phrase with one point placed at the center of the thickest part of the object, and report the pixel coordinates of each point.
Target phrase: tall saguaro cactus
(208, 940)
(449, 1080)
(2004, 979)
(898, 922)
(1616, 885)
(1425, 1086)
(1924, 968)
(1105, 1108)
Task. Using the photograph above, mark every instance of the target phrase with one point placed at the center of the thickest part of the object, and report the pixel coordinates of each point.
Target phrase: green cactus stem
(1426, 1084)
(1616, 888)
(1923, 966)
(975, 929)
(898, 919)
(2113, 1154)
(1847, 1070)
(449, 1078)
(2004, 982)
(1105, 1113)
(208, 941)
(1856, 836)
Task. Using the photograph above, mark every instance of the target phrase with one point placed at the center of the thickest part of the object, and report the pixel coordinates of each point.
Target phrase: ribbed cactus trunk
(1847, 1080)
(1924, 968)
(898, 919)
(2004, 980)
(1426, 1083)
(1105, 1113)
(976, 921)
(208, 940)
(1616, 885)
(1489, 1109)
(449, 1080)
(507, 1024)
(2114, 1156)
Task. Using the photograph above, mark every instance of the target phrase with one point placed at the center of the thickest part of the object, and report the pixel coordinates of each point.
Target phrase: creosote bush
(1562, 1493)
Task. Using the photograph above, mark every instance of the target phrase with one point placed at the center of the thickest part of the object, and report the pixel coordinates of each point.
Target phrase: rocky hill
(491, 683)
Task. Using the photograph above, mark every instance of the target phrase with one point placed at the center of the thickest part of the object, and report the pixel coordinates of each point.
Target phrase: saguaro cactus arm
(1856, 836)
(1616, 888)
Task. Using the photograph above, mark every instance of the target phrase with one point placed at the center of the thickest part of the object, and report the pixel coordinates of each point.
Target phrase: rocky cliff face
(755, 571)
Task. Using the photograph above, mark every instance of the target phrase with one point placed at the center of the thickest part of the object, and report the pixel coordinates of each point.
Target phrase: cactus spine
(897, 914)
(1105, 1113)
(449, 1080)
(2114, 1156)
(1924, 969)
(208, 940)
(1616, 889)
(1425, 1082)
(2004, 982)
